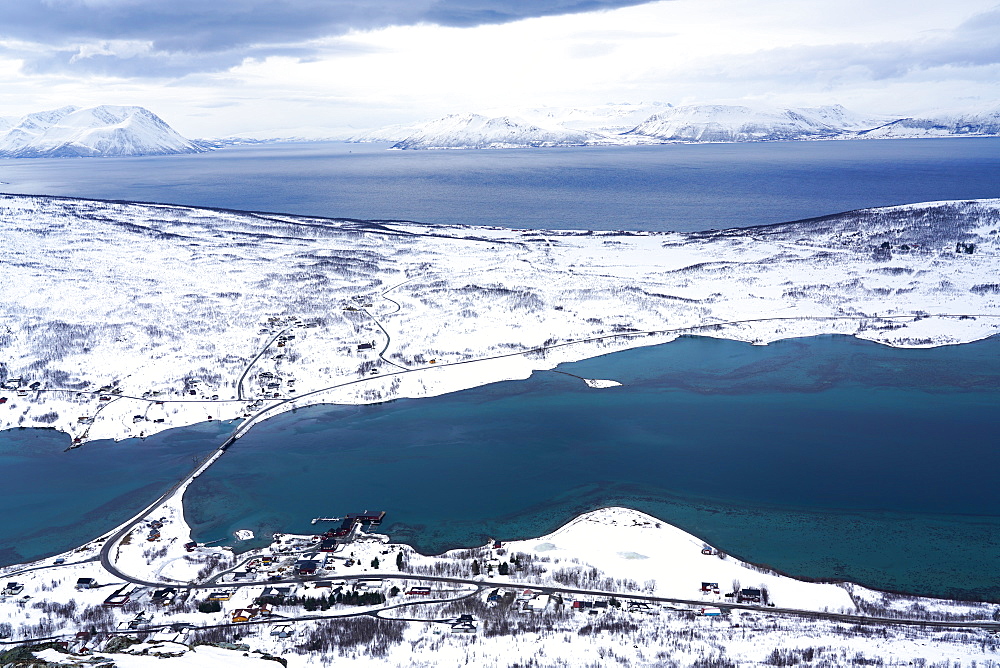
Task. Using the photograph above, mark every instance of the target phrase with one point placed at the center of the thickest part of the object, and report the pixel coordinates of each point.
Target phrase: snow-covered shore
(517, 613)
(127, 319)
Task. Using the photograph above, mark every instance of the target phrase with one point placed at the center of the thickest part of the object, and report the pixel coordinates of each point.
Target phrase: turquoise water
(826, 457)
(53, 500)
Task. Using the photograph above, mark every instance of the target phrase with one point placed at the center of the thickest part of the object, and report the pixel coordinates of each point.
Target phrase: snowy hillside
(629, 124)
(608, 119)
(600, 123)
(976, 124)
(723, 123)
(145, 317)
(475, 131)
(96, 131)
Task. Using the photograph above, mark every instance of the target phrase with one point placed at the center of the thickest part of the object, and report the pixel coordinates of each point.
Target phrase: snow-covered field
(123, 320)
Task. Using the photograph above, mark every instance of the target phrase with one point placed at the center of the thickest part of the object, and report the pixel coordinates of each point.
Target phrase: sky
(213, 68)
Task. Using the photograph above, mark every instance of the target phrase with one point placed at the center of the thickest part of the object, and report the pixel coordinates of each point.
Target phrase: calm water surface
(670, 187)
(53, 500)
(824, 457)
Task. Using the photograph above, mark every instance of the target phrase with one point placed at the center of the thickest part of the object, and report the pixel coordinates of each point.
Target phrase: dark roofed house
(750, 596)
(306, 566)
(86, 583)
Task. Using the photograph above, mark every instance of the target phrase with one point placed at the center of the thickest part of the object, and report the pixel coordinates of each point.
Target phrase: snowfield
(124, 320)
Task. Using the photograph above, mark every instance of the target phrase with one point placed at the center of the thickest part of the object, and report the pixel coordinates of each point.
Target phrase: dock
(326, 519)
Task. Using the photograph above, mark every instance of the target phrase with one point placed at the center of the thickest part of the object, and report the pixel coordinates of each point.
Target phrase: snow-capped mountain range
(100, 131)
(624, 124)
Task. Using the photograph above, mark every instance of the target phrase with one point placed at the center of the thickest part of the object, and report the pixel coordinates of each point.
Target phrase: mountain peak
(104, 130)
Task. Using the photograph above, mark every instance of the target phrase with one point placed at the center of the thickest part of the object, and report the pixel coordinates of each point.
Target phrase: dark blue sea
(679, 187)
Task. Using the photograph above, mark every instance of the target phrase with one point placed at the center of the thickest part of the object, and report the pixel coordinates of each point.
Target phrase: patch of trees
(378, 634)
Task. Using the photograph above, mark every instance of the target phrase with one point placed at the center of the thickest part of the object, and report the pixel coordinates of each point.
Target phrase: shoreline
(760, 507)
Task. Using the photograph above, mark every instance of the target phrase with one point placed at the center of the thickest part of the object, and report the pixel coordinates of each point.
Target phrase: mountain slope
(95, 131)
(729, 123)
(985, 123)
(476, 131)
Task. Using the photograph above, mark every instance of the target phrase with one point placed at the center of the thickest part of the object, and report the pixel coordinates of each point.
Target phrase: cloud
(158, 38)
(974, 43)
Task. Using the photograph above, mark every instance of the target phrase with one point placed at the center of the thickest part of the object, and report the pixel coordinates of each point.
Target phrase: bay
(681, 187)
(826, 457)
(54, 500)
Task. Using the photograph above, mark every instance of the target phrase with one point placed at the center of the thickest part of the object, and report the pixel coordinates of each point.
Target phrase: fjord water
(825, 457)
(54, 500)
(680, 187)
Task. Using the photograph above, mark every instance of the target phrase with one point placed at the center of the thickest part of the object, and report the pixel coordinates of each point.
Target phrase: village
(181, 594)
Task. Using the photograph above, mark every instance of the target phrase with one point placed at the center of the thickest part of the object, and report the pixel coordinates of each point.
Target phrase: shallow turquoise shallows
(825, 457)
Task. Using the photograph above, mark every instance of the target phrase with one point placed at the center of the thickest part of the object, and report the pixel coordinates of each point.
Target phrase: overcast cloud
(168, 38)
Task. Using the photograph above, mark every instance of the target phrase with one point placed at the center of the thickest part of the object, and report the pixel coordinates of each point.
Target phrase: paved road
(239, 383)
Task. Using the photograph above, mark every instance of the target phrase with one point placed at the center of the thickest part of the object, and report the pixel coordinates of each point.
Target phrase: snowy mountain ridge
(476, 131)
(655, 123)
(101, 131)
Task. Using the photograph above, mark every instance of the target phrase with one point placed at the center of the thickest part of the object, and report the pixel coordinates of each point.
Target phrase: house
(707, 551)
(277, 592)
(282, 631)
(710, 612)
(86, 583)
(246, 614)
(366, 346)
(13, 589)
(538, 603)
(242, 575)
(750, 596)
(710, 586)
(494, 596)
(163, 596)
(463, 627)
(220, 595)
(190, 546)
(419, 591)
(306, 566)
(117, 600)
(372, 518)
